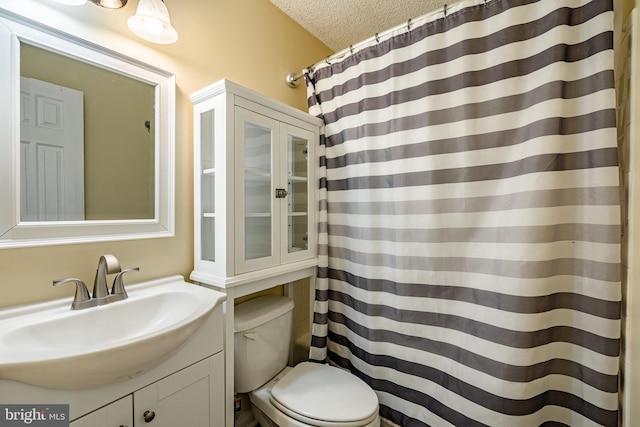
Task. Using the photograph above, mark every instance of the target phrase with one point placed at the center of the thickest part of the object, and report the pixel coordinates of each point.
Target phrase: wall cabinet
(191, 397)
(255, 189)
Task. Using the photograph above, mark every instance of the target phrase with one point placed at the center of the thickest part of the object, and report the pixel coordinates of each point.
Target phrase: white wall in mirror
(15, 31)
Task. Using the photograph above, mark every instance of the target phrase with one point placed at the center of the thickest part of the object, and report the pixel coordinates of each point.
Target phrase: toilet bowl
(309, 394)
(316, 395)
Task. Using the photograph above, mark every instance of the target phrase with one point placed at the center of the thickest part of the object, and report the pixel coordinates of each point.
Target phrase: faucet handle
(118, 284)
(82, 298)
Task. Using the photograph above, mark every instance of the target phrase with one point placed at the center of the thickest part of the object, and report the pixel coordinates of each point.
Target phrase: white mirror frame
(14, 233)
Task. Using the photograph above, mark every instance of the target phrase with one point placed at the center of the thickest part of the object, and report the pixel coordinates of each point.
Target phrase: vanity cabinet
(116, 414)
(255, 188)
(191, 397)
(186, 387)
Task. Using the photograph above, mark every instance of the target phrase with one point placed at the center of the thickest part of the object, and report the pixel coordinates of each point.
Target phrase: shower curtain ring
(445, 10)
(351, 49)
(409, 25)
(327, 60)
(377, 38)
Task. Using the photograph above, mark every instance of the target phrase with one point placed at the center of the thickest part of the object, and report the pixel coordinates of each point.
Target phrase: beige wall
(248, 41)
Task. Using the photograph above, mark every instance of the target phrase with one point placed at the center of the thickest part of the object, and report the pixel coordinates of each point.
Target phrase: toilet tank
(262, 335)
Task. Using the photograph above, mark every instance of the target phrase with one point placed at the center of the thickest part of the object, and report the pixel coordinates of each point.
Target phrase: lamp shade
(151, 22)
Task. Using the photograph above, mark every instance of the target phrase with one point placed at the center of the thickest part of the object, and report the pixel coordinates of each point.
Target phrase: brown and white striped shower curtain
(470, 221)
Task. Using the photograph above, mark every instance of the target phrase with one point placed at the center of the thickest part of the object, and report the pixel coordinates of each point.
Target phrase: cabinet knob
(148, 416)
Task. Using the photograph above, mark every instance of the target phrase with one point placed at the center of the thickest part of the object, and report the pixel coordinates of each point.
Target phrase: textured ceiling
(341, 23)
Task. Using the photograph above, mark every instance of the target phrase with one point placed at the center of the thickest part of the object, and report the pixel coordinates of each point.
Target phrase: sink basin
(49, 345)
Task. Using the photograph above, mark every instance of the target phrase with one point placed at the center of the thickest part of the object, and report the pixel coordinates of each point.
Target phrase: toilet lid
(326, 394)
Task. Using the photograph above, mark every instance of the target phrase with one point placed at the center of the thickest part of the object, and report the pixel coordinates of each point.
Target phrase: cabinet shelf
(258, 215)
(253, 172)
(293, 178)
(209, 171)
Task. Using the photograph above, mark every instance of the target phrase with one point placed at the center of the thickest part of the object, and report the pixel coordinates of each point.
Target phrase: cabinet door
(257, 213)
(116, 414)
(298, 172)
(191, 397)
(207, 181)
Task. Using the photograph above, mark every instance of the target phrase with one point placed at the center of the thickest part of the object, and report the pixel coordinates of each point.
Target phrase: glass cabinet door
(207, 187)
(297, 177)
(298, 205)
(258, 173)
(257, 136)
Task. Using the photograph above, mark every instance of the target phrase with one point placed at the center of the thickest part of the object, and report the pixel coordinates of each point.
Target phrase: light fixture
(109, 4)
(151, 22)
(72, 2)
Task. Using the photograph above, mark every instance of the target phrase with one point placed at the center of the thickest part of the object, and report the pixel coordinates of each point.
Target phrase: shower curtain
(470, 218)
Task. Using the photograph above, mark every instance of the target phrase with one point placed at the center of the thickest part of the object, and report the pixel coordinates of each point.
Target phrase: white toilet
(310, 394)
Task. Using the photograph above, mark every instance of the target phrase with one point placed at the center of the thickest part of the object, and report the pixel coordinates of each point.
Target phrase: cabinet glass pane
(298, 228)
(297, 199)
(257, 190)
(207, 192)
(257, 237)
(208, 226)
(206, 140)
(207, 186)
(257, 149)
(257, 193)
(298, 158)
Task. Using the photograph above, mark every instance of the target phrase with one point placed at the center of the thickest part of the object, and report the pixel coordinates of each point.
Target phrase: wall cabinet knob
(148, 416)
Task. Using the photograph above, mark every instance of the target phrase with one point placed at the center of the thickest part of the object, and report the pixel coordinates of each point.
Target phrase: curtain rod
(292, 79)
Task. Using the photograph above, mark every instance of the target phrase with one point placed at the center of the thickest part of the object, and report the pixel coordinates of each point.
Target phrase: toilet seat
(325, 396)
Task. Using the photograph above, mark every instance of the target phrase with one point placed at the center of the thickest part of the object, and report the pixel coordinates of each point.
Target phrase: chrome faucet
(107, 264)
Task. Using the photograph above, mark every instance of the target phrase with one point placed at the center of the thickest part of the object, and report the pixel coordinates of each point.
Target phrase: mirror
(86, 140)
(99, 124)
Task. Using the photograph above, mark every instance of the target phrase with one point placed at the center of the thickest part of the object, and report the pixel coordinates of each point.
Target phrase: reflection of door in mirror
(51, 152)
(118, 133)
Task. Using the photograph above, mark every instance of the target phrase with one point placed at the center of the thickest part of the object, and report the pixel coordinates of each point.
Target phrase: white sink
(49, 345)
